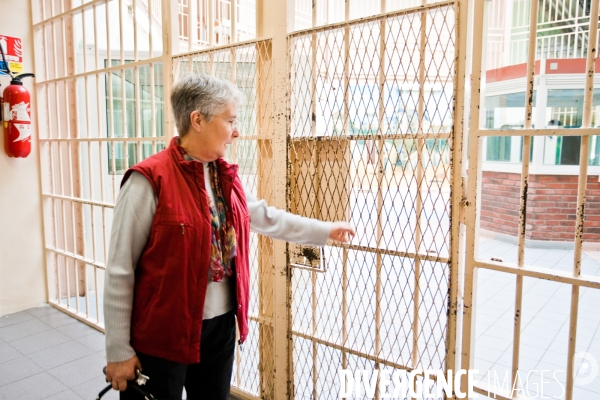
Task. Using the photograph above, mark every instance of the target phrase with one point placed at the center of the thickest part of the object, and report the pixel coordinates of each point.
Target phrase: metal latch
(307, 257)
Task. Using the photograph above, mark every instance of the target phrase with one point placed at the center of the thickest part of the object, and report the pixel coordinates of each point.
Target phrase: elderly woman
(177, 276)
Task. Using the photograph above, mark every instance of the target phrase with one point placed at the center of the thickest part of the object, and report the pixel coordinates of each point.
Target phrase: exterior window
(505, 112)
(124, 124)
(565, 110)
(498, 148)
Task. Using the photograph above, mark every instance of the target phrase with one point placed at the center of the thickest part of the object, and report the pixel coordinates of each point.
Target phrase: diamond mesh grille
(249, 67)
(370, 142)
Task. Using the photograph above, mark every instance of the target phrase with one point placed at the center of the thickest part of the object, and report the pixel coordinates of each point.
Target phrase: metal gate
(372, 140)
(101, 79)
(522, 273)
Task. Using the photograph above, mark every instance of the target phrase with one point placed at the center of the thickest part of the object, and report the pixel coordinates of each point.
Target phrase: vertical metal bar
(73, 224)
(170, 43)
(191, 25)
(93, 228)
(280, 16)
(124, 131)
(121, 40)
(85, 68)
(54, 219)
(46, 48)
(97, 295)
(211, 22)
(150, 26)
(531, 64)
(96, 51)
(316, 186)
(53, 202)
(55, 62)
(592, 51)
(138, 112)
(420, 178)
(135, 31)
(380, 175)
(233, 13)
(103, 198)
(347, 132)
(110, 101)
(65, 43)
(523, 190)
(472, 193)
(152, 108)
(457, 237)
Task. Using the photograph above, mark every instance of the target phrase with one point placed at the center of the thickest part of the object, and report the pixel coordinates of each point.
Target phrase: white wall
(22, 271)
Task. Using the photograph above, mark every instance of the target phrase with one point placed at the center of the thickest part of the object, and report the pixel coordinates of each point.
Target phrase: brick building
(557, 102)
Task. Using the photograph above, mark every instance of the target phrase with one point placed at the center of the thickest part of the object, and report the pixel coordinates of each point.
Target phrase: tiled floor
(45, 354)
(545, 320)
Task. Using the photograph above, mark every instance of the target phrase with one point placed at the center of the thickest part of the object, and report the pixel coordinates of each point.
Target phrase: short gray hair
(203, 93)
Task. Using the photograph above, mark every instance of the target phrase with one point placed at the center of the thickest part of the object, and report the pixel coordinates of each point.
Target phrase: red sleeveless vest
(172, 274)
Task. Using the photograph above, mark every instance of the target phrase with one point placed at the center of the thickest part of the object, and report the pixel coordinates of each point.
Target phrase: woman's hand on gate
(118, 373)
(341, 231)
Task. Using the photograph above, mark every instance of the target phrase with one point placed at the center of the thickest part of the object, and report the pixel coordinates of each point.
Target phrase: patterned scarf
(223, 244)
(223, 247)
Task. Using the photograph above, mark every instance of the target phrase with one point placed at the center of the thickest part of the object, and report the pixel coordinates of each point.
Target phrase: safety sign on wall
(13, 52)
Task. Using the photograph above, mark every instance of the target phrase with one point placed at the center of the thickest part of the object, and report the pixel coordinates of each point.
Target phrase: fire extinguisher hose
(5, 63)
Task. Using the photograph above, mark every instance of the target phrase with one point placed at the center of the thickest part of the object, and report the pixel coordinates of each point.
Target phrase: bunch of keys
(140, 379)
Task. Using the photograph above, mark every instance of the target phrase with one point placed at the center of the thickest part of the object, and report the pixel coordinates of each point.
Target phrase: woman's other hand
(341, 231)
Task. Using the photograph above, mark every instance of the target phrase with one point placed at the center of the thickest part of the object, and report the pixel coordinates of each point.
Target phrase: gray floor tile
(94, 341)
(582, 393)
(22, 329)
(60, 354)
(547, 324)
(550, 385)
(56, 320)
(487, 354)
(40, 341)
(554, 358)
(102, 353)
(35, 387)
(43, 310)
(534, 353)
(15, 318)
(91, 388)
(67, 395)
(17, 369)
(593, 386)
(79, 371)
(494, 342)
(76, 329)
(527, 364)
(536, 330)
(7, 353)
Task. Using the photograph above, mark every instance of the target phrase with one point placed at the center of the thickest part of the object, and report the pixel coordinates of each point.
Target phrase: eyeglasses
(232, 121)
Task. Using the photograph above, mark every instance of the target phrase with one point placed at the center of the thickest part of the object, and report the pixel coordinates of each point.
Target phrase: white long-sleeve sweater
(133, 215)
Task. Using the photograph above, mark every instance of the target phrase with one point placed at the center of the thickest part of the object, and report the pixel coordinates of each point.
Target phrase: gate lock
(311, 258)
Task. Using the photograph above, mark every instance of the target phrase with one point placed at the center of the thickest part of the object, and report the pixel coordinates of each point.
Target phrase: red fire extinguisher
(16, 113)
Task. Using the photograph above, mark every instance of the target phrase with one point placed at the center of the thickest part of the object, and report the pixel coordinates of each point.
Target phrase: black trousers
(210, 379)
